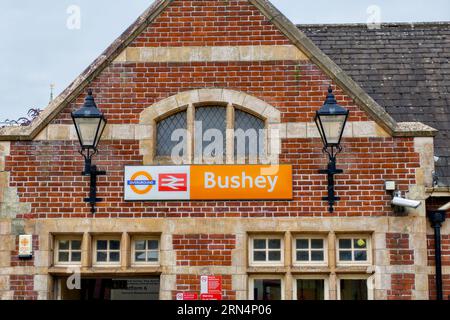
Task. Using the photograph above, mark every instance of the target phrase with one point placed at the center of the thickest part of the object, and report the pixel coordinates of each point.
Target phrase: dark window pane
(345, 255)
(63, 256)
(249, 137)
(259, 243)
(317, 243)
(345, 243)
(101, 257)
(274, 244)
(76, 256)
(317, 255)
(139, 256)
(302, 244)
(76, 245)
(265, 289)
(114, 245)
(165, 128)
(139, 245)
(212, 121)
(64, 244)
(353, 289)
(152, 256)
(114, 256)
(360, 243)
(302, 256)
(152, 244)
(274, 255)
(310, 289)
(102, 244)
(259, 256)
(360, 255)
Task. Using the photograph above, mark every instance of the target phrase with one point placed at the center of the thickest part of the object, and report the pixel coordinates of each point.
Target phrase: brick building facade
(243, 56)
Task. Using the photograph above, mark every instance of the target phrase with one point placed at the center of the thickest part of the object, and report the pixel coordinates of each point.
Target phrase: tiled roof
(404, 67)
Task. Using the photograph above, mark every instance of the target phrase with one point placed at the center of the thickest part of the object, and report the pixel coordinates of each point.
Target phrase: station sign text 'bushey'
(208, 182)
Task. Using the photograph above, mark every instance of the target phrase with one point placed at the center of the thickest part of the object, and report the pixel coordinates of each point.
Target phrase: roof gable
(297, 38)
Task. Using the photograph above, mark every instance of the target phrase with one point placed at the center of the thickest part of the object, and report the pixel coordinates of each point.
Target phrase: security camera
(402, 202)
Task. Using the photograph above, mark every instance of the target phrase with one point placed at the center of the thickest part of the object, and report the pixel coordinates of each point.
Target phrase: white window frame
(133, 251)
(70, 238)
(266, 263)
(366, 237)
(326, 286)
(368, 278)
(94, 251)
(251, 284)
(310, 237)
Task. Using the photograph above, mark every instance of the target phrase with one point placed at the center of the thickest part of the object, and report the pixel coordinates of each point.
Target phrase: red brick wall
(204, 249)
(401, 286)
(47, 175)
(445, 249)
(445, 286)
(23, 286)
(210, 23)
(399, 252)
(191, 283)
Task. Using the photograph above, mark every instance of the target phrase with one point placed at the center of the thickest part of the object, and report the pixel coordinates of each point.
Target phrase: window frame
(108, 250)
(229, 156)
(133, 250)
(369, 284)
(266, 263)
(310, 263)
(70, 238)
(368, 250)
(251, 284)
(326, 285)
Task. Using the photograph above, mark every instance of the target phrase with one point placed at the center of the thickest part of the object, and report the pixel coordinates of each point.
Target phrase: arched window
(211, 134)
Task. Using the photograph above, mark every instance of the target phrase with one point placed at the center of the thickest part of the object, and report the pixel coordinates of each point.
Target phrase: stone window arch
(209, 115)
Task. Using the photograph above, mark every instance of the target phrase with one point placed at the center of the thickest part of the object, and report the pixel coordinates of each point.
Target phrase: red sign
(172, 182)
(211, 287)
(211, 296)
(187, 296)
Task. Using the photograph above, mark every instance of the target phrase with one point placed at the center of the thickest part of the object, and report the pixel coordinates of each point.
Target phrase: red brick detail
(296, 88)
(16, 261)
(399, 252)
(204, 249)
(401, 286)
(22, 286)
(191, 283)
(445, 286)
(47, 175)
(445, 249)
(210, 23)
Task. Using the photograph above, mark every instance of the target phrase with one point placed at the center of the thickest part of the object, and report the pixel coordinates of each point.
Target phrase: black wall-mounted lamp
(90, 123)
(330, 121)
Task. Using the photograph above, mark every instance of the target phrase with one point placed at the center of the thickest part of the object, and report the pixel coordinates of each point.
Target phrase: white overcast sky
(37, 48)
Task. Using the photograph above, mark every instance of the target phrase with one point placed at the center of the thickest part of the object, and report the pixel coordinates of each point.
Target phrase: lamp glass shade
(89, 131)
(331, 128)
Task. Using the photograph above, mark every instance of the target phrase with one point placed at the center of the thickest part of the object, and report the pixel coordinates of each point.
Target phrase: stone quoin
(233, 65)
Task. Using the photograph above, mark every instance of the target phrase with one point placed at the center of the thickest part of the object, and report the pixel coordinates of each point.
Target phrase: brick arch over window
(203, 97)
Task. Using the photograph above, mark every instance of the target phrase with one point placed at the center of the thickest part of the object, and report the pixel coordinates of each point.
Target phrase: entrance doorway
(142, 288)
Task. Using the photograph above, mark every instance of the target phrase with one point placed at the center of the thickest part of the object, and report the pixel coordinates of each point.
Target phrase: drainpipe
(436, 219)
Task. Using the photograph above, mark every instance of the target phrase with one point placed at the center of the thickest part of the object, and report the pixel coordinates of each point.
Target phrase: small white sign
(25, 246)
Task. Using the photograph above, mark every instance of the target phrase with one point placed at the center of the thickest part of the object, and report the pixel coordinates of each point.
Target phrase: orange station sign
(208, 182)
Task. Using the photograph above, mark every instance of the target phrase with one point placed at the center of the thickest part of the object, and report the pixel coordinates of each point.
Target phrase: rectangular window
(353, 250)
(266, 251)
(310, 250)
(68, 250)
(266, 288)
(353, 289)
(145, 251)
(107, 251)
(310, 289)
